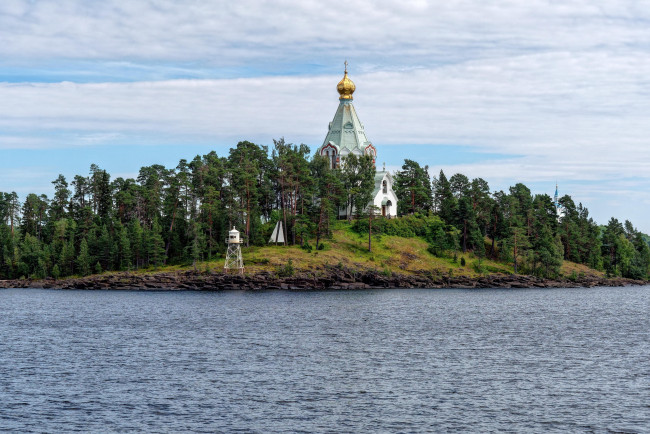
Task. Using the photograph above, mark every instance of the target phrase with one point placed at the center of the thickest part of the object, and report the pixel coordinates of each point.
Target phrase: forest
(181, 215)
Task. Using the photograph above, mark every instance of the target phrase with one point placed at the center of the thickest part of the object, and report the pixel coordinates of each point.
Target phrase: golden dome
(346, 86)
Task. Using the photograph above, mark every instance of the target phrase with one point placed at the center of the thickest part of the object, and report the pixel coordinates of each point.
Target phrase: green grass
(390, 254)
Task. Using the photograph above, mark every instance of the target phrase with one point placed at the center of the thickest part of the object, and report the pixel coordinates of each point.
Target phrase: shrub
(56, 272)
(287, 269)
(462, 261)
(479, 268)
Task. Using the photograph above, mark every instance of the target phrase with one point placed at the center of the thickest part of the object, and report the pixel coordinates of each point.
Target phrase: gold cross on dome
(346, 65)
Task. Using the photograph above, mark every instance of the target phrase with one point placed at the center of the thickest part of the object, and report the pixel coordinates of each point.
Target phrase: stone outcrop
(335, 278)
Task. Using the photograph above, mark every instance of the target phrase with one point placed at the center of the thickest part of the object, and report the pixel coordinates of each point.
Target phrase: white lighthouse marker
(234, 259)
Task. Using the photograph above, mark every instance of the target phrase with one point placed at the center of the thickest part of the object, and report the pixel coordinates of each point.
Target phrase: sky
(531, 91)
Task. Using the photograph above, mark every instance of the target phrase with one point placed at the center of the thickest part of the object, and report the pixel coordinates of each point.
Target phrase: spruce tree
(124, 249)
(156, 245)
(444, 199)
(136, 237)
(83, 260)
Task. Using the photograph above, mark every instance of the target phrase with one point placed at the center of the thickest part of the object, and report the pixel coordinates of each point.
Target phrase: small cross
(346, 65)
(384, 169)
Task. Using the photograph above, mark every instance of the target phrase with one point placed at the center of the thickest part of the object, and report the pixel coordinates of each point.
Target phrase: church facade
(346, 136)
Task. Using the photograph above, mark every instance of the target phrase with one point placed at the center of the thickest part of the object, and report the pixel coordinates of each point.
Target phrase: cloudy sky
(532, 91)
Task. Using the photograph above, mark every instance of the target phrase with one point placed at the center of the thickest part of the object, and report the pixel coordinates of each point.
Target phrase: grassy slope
(389, 253)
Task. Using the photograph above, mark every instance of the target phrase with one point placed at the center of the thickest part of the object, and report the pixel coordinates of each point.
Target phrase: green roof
(346, 130)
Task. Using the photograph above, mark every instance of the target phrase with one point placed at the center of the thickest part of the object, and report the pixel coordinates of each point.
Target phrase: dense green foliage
(514, 226)
(182, 215)
(174, 216)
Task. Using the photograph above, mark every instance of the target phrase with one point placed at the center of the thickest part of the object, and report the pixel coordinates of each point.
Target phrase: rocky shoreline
(334, 278)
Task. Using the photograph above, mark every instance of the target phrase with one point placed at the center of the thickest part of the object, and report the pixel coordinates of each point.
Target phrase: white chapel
(347, 136)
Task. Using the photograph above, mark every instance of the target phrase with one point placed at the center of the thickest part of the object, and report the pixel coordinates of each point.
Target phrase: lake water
(571, 360)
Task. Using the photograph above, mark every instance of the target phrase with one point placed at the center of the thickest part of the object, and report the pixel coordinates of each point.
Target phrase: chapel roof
(346, 130)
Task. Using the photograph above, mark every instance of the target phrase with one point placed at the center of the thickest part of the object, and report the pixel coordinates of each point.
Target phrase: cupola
(346, 86)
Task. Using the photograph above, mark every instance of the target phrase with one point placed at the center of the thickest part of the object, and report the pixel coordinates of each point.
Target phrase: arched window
(384, 186)
(330, 152)
(333, 157)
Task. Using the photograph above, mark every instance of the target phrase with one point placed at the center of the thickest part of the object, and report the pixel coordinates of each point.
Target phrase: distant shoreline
(324, 278)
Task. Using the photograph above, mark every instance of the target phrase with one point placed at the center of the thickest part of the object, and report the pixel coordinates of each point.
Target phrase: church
(345, 136)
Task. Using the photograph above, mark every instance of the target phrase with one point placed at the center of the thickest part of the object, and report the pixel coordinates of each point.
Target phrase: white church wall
(388, 196)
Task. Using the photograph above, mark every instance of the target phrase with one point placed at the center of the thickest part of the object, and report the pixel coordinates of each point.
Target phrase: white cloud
(227, 33)
(583, 116)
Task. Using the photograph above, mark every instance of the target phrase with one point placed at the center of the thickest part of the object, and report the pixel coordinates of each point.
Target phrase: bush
(462, 261)
(479, 268)
(417, 225)
(56, 272)
(287, 270)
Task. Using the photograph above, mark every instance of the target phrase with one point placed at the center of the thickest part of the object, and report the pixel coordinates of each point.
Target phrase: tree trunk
(294, 210)
(210, 233)
(370, 230)
(494, 235)
(248, 216)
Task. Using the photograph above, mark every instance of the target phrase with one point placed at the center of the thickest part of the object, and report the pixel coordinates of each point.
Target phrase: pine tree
(246, 163)
(328, 195)
(61, 199)
(460, 185)
(413, 188)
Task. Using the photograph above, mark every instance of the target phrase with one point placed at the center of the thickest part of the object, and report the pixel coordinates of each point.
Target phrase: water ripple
(365, 361)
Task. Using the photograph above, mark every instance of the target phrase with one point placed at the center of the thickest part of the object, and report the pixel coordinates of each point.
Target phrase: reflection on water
(363, 361)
